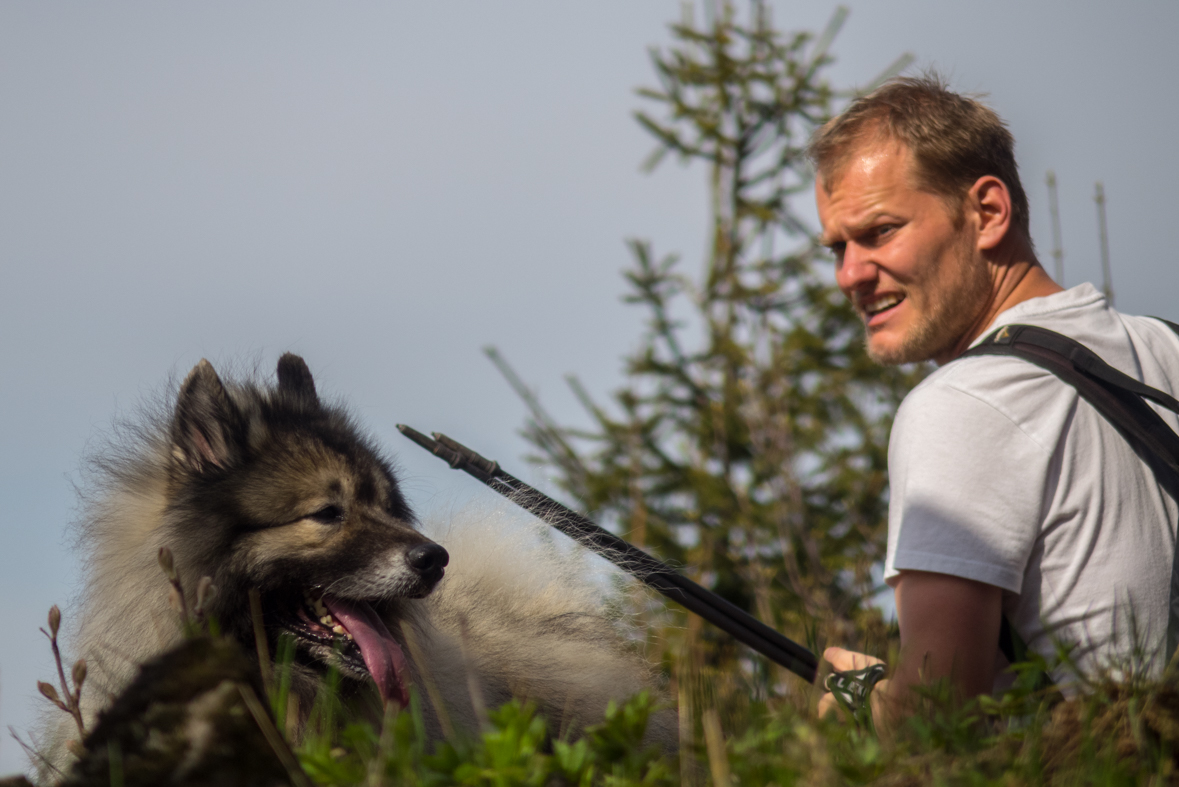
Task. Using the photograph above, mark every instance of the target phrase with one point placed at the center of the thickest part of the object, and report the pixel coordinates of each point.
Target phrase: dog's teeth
(315, 604)
(339, 629)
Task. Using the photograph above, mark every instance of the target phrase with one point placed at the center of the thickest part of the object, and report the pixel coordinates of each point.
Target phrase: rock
(196, 715)
(15, 781)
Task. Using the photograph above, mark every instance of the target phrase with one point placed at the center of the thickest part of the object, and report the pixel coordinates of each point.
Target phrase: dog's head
(271, 489)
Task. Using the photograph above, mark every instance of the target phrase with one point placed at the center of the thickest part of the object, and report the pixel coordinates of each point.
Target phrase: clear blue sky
(387, 187)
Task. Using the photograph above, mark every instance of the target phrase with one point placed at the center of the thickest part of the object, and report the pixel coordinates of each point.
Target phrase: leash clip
(851, 688)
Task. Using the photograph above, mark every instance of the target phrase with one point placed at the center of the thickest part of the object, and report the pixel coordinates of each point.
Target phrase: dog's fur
(270, 488)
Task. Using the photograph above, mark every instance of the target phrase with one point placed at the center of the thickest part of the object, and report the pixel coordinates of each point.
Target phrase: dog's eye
(328, 515)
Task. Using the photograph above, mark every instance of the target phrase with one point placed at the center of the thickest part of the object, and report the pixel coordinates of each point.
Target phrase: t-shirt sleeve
(967, 488)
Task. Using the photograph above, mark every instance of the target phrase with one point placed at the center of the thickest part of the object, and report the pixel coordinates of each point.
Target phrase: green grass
(1117, 733)
(514, 749)
(1122, 728)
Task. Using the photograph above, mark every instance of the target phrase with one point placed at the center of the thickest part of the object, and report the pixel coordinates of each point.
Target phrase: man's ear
(990, 199)
(294, 378)
(207, 426)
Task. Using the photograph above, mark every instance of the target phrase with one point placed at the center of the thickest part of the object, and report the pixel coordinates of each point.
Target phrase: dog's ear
(207, 426)
(294, 378)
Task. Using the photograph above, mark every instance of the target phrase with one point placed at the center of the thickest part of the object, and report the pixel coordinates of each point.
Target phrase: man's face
(908, 264)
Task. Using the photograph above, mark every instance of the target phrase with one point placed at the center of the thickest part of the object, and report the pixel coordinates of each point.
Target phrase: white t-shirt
(1000, 473)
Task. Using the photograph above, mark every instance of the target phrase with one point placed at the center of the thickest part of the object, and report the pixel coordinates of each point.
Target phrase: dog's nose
(427, 558)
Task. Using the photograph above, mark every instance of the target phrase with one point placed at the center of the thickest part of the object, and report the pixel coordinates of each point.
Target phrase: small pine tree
(749, 442)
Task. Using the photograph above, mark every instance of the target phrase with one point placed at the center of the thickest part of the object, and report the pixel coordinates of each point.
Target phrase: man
(1010, 496)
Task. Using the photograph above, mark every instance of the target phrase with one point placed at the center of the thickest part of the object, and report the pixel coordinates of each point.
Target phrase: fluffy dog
(269, 488)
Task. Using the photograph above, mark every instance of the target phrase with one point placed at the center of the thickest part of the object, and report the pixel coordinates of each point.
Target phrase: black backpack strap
(1119, 399)
(1011, 645)
(1117, 396)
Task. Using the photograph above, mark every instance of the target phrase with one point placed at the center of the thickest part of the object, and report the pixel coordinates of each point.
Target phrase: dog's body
(269, 489)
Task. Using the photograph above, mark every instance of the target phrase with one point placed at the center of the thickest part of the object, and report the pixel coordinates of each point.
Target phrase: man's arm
(949, 629)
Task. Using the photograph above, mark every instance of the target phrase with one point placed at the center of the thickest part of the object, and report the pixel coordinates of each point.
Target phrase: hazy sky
(387, 187)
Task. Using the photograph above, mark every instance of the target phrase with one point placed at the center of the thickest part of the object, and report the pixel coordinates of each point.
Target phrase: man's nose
(856, 270)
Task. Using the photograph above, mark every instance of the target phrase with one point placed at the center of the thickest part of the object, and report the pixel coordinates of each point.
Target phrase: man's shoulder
(1142, 347)
(1128, 343)
(1005, 383)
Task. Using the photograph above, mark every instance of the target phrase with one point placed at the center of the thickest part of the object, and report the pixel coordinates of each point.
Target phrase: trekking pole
(652, 572)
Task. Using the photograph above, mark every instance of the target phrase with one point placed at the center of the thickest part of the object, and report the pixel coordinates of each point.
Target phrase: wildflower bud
(48, 692)
(76, 748)
(175, 600)
(167, 564)
(54, 619)
(79, 674)
(206, 592)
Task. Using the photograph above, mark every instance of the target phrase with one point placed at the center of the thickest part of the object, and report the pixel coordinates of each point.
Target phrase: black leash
(656, 574)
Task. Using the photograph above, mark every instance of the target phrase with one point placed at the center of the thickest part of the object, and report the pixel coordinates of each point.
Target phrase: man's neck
(1016, 277)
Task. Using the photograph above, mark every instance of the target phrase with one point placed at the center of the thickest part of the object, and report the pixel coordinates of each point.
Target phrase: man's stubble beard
(950, 311)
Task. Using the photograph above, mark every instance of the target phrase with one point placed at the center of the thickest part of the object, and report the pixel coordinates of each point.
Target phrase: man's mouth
(873, 308)
(353, 631)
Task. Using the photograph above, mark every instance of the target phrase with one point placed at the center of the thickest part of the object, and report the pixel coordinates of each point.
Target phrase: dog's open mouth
(360, 638)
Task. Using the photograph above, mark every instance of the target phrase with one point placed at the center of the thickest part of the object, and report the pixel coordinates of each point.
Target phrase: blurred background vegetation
(749, 443)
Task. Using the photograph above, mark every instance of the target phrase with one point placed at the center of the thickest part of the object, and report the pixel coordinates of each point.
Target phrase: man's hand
(949, 629)
(843, 661)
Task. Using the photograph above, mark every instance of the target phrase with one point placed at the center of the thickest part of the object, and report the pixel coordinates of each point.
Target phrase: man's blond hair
(954, 140)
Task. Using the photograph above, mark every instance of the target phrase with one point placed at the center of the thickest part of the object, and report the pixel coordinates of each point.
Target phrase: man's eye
(328, 515)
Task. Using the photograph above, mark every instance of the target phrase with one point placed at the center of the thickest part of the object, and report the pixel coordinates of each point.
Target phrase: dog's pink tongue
(382, 655)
